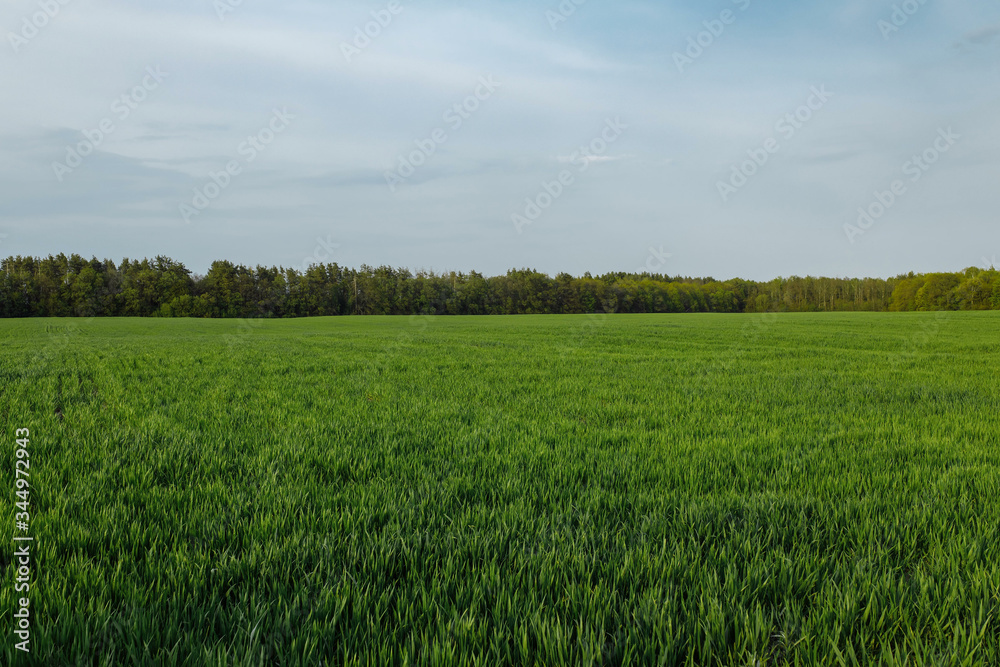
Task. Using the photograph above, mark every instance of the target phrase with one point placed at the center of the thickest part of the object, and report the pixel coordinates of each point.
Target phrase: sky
(731, 138)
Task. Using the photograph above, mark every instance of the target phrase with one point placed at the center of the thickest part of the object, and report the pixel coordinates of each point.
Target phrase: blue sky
(312, 182)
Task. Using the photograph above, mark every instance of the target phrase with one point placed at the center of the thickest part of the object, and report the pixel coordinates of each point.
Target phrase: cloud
(356, 118)
(821, 155)
(591, 159)
(984, 35)
(981, 37)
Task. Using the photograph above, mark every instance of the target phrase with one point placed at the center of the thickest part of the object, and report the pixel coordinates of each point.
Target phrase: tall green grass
(677, 490)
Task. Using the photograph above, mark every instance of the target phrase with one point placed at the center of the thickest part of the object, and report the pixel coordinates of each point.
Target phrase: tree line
(71, 286)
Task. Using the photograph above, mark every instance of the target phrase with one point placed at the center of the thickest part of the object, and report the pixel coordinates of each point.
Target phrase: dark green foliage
(62, 286)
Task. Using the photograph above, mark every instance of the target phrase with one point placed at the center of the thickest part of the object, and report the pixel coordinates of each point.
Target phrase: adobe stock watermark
(787, 126)
(225, 7)
(364, 35)
(900, 16)
(249, 149)
(562, 13)
(121, 109)
(655, 262)
(919, 341)
(47, 351)
(582, 332)
(455, 116)
(915, 168)
(245, 327)
(702, 41)
(322, 253)
(582, 158)
(32, 25)
(404, 340)
(751, 333)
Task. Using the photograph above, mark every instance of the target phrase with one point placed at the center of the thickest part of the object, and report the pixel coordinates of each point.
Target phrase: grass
(677, 490)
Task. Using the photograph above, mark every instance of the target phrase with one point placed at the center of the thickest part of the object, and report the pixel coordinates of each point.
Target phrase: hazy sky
(115, 113)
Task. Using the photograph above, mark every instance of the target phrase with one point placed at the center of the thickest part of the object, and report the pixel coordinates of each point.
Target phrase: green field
(624, 490)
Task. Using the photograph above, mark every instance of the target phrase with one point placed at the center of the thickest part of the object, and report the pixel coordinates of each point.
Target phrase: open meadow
(650, 489)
